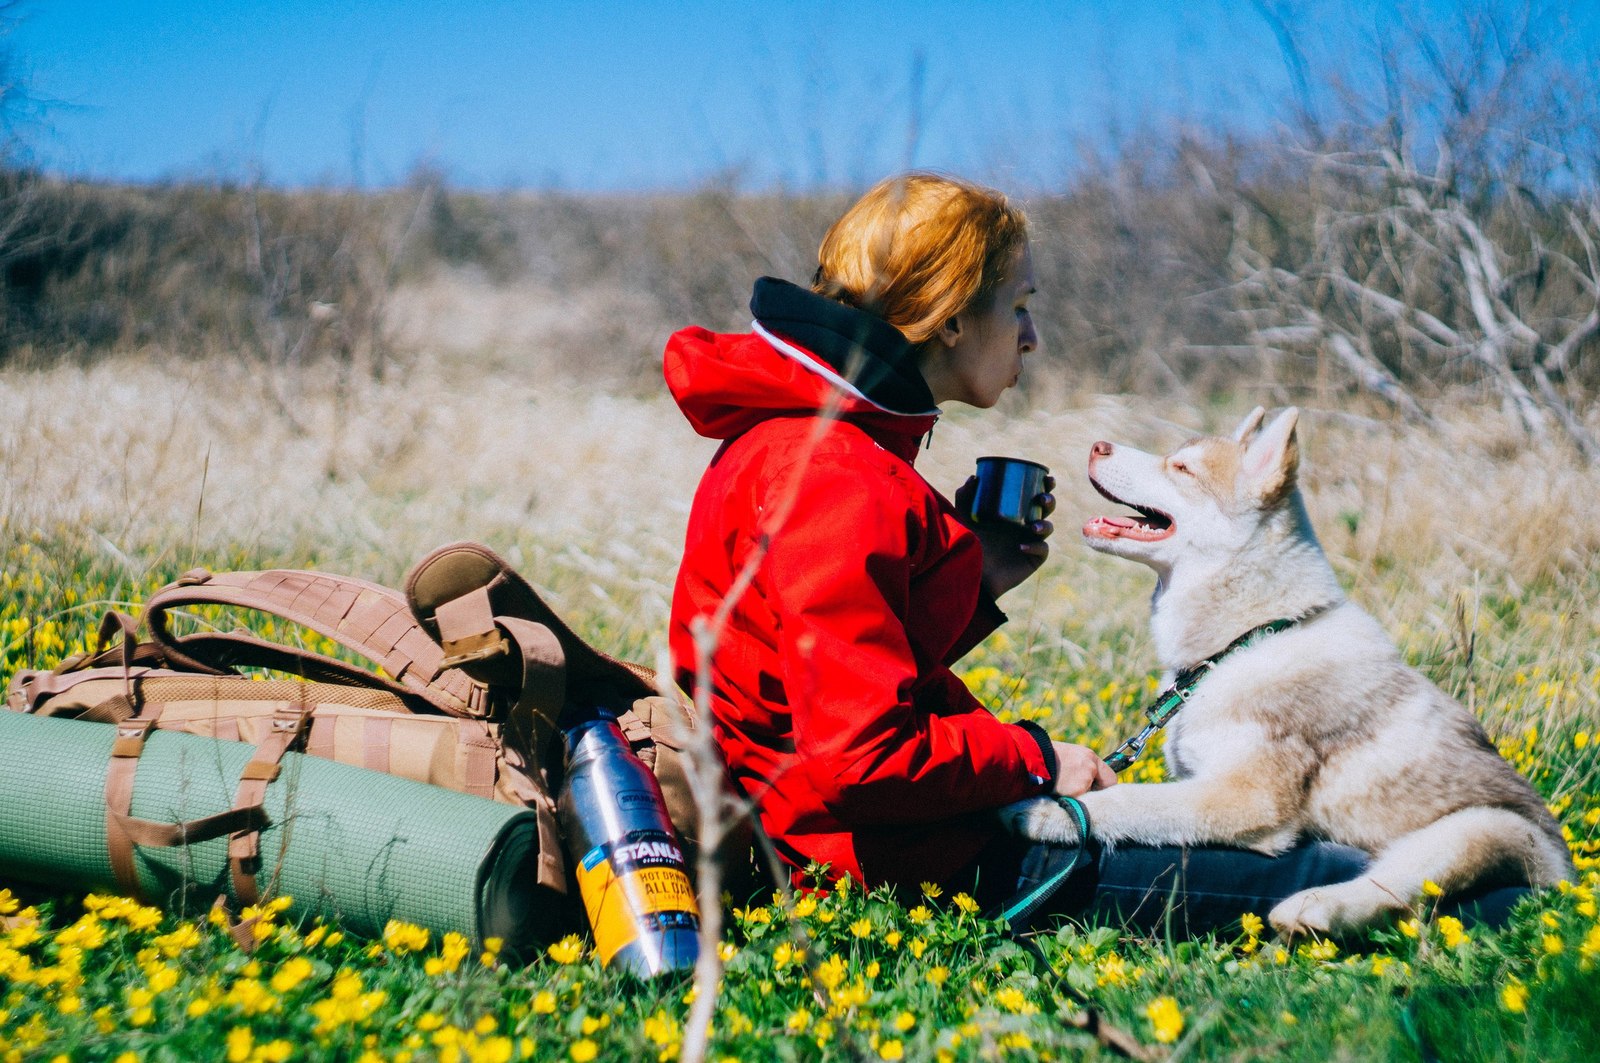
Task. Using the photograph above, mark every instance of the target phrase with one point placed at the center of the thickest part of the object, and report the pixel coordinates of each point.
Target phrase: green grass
(916, 978)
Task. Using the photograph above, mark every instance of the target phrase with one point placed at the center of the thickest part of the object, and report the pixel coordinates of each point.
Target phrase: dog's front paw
(1040, 819)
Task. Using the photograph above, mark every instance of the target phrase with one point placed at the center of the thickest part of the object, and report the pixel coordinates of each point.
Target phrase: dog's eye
(1178, 466)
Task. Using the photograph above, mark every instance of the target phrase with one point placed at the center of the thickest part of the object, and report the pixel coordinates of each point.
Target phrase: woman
(826, 588)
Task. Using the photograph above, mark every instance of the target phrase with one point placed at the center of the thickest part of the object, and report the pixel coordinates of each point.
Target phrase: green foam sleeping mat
(345, 843)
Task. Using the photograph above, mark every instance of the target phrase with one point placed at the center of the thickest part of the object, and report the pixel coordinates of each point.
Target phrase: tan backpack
(476, 675)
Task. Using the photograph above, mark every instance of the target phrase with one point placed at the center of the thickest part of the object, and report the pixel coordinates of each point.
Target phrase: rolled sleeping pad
(345, 843)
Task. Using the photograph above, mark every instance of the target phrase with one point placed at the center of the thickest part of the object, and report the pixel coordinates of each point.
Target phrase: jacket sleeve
(986, 619)
(840, 579)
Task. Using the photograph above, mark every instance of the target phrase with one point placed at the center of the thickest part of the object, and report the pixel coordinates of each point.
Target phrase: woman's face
(978, 354)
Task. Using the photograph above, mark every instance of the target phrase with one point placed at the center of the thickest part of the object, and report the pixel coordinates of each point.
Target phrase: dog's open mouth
(1149, 525)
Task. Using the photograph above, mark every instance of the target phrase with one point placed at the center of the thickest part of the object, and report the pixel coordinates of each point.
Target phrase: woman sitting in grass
(829, 587)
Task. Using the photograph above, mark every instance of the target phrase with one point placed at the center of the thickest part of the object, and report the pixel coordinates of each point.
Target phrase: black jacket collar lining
(864, 349)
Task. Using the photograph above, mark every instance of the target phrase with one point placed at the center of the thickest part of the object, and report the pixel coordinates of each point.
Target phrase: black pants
(1190, 891)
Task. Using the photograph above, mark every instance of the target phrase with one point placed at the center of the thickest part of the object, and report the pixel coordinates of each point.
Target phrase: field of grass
(1479, 551)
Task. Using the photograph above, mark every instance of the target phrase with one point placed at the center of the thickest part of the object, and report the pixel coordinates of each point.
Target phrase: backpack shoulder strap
(366, 618)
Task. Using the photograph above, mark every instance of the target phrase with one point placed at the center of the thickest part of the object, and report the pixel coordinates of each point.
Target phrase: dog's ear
(1272, 458)
(1248, 426)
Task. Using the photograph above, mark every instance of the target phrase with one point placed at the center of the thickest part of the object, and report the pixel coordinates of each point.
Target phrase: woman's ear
(951, 332)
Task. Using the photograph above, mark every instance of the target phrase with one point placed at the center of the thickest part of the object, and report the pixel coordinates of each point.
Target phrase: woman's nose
(1027, 338)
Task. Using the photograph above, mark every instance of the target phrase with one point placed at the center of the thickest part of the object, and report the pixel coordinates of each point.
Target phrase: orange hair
(918, 249)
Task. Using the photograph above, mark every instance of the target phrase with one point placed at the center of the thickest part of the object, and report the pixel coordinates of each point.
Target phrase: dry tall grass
(589, 492)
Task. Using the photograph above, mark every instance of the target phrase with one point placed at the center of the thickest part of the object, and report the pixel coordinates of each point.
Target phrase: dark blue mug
(1007, 491)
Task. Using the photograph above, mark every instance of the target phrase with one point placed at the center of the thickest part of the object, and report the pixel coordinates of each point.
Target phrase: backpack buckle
(484, 646)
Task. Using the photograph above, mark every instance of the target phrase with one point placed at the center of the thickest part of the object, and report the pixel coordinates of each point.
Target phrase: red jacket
(831, 690)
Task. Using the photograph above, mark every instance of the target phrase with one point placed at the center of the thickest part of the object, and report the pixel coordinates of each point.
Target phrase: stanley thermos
(629, 865)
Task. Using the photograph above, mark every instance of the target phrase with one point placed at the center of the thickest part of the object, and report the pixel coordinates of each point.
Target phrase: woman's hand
(1079, 769)
(1010, 554)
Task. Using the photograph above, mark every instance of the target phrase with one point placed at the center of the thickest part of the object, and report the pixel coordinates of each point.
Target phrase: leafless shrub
(1449, 240)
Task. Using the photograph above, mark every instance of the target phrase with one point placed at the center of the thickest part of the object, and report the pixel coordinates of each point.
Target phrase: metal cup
(1007, 489)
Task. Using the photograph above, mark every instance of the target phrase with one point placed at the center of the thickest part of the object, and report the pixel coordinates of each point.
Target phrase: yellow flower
(1514, 997)
(831, 972)
(918, 947)
(1288, 1018)
(1591, 945)
(178, 942)
(861, 927)
(965, 903)
(798, 1020)
(891, 1050)
(1431, 888)
(295, 970)
(727, 950)
(1451, 930)
(162, 976)
(1553, 944)
(1580, 740)
(662, 1030)
(1013, 1000)
(566, 951)
(583, 1051)
(272, 1052)
(453, 949)
(904, 1021)
(1166, 1021)
(544, 1002)
(932, 890)
(1409, 927)
(805, 906)
(1251, 924)
(937, 976)
(405, 937)
(240, 1041)
(919, 915)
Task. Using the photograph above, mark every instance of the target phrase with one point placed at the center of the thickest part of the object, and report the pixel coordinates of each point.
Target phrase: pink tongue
(1121, 522)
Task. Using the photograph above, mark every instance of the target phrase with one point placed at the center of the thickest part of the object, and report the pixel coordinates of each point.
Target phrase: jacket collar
(857, 351)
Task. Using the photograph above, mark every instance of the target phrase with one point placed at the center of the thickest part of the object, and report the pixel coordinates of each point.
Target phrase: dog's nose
(1101, 449)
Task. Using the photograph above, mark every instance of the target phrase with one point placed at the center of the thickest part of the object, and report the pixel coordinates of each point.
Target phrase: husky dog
(1317, 729)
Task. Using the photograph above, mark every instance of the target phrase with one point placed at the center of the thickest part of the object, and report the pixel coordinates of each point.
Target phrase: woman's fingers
(1079, 769)
(964, 493)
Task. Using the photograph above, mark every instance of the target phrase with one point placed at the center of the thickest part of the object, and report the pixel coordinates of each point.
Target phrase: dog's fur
(1317, 731)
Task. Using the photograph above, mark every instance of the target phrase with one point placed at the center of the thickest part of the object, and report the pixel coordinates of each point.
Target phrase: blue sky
(611, 96)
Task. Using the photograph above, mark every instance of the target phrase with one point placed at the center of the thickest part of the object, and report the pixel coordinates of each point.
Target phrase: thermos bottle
(630, 868)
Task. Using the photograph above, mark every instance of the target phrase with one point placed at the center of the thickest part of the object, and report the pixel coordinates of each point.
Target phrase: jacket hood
(805, 350)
